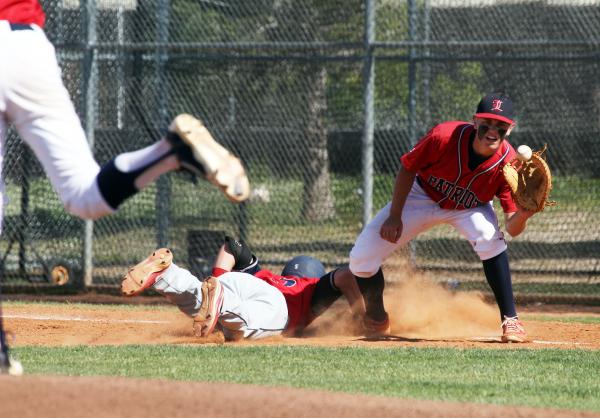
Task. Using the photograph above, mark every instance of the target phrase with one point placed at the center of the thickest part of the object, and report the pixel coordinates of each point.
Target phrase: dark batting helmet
(303, 266)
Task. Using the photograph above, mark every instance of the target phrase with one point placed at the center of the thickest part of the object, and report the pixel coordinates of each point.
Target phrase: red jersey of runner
(298, 292)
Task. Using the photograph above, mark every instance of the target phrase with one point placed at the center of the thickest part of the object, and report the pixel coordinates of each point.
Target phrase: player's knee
(488, 247)
(86, 204)
(363, 265)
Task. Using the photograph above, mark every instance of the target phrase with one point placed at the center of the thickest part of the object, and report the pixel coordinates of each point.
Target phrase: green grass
(538, 378)
(567, 319)
(275, 229)
(563, 289)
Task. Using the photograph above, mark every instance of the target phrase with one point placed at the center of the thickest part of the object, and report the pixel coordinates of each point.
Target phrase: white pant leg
(480, 227)
(181, 288)
(370, 250)
(37, 103)
(3, 128)
(251, 307)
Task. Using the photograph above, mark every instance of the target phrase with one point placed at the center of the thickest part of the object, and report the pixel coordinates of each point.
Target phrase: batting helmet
(303, 266)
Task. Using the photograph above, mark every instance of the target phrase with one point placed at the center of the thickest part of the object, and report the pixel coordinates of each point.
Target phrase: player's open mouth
(492, 139)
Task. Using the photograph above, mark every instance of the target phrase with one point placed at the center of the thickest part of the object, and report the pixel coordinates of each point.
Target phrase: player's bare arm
(516, 222)
(391, 230)
(346, 282)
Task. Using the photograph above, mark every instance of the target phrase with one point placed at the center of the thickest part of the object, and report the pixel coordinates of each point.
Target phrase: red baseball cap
(496, 106)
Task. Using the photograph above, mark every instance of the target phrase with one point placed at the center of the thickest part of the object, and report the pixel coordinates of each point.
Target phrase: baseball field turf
(556, 373)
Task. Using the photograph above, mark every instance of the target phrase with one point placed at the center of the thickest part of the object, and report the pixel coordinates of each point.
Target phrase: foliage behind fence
(285, 85)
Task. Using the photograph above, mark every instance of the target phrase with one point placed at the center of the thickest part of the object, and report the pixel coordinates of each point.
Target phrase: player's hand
(391, 230)
(525, 213)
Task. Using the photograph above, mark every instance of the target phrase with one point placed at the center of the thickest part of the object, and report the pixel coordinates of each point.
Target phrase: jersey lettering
(459, 195)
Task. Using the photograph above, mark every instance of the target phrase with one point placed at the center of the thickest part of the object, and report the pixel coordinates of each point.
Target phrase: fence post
(163, 184)
(412, 97)
(369, 96)
(90, 81)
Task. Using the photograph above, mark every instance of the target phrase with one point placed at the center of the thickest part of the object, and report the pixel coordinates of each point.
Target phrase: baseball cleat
(373, 328)
(200, 154)
(144, 274)
(212, 301)
(513, 331)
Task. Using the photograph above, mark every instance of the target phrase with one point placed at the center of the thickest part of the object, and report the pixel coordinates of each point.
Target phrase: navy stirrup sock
(372, 291)
(497, 273)
(116, 186)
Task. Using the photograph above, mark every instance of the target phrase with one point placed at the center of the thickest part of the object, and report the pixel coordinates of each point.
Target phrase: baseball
(524, 153)
(15, 369)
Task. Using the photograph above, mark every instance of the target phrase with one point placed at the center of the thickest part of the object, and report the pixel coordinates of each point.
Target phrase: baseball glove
(530, 181)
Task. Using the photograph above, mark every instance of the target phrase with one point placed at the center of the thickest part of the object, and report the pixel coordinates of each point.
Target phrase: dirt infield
(68, 397)
(422, 316)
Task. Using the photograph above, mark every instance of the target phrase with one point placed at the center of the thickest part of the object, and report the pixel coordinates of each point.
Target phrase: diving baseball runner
(240, 297)
(243, 305)
(308, 289)
(450, 177)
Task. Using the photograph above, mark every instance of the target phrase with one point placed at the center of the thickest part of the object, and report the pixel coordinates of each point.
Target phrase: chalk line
(80, 319)
(497, 339)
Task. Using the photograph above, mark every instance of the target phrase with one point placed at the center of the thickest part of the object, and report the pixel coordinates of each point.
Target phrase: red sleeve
(425, 153)
(506, 200)
(22, 11)
(504, 194)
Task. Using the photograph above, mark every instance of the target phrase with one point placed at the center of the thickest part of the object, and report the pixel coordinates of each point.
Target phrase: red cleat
(513, 330)
(373, 328)
(212, 301)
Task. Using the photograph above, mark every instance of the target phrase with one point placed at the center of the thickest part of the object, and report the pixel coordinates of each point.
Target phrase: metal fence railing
(320, 98)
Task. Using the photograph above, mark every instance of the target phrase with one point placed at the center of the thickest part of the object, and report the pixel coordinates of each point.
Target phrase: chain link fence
(320, 98)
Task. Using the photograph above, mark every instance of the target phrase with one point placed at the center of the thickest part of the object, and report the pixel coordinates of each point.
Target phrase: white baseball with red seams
(524, 153)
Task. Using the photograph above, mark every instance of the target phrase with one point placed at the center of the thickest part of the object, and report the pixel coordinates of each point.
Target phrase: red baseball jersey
(22, 11)
(440, 160)
(298, 292)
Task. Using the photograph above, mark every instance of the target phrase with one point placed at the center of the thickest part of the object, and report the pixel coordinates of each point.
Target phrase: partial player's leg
(40, 108)
(188, 146)
(7, 364)
(480, 227)
(370, 251)
(328, 289)
(199, 153)
(331, 286)
(235, 255)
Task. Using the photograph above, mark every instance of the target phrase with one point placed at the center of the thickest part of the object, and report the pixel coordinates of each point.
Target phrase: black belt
(20, 26)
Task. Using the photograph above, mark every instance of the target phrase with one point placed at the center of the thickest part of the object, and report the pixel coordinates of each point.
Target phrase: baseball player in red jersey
(308, 289)
(34, 100)
(239, 303)
(449, 177)
(244, 300)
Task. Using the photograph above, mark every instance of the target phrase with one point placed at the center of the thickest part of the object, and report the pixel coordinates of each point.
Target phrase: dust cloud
(422, 308)
(419, 308)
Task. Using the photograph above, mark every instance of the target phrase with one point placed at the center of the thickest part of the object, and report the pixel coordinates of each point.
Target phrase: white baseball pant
(251, 308)
(478, 225)
(34, 99)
